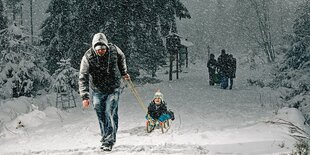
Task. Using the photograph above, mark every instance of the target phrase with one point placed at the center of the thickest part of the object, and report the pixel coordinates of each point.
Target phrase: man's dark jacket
(101, 73)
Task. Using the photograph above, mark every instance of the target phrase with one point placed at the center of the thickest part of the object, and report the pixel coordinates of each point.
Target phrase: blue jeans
(164, 117)
(106, 107)
(231, 82)
(224, 81)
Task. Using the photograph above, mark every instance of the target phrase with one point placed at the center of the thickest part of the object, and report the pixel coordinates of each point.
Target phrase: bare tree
(31, 21)
(262, 11)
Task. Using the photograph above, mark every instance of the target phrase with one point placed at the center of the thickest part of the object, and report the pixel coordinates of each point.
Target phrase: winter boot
(105, 147)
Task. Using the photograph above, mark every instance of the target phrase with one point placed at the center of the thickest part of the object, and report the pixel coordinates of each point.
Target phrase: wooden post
(186, 53)
(180, 61)
(170, 70)
(177, 63)
(21, 14)
(209, 51)
(31, 22)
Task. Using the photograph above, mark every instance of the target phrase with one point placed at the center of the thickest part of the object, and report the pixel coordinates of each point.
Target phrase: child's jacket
(156, 111)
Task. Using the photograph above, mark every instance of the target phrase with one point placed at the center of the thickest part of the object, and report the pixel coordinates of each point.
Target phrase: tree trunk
(31, 22)
(177, 63)
(263, 17)
(170, 66)
(21, 14)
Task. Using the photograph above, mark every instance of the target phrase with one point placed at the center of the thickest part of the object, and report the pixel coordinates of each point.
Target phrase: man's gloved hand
(126, 77)
(85, 103)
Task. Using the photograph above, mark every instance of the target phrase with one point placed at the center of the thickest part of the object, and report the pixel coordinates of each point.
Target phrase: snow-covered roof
(172, 34)
(186, 43)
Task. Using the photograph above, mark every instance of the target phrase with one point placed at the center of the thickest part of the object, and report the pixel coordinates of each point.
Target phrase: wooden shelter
(177, 47)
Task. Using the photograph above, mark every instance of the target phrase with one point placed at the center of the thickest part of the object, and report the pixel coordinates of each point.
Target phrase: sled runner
(155, 124)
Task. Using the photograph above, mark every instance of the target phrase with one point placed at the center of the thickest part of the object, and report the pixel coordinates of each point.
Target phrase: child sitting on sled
(157, 109)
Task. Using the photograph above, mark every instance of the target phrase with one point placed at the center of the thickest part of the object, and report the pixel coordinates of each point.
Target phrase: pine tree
(294, 71)
(151, 52)
(298, 56)
(56, 33)
(3, 21)
(13, 6)
(22, 72)
(137, 27)
(66, 77)
(153, 21)
(88, 18)
(3, 26)
(167, 11)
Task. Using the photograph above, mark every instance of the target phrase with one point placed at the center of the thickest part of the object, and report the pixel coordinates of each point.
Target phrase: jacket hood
(99, 38)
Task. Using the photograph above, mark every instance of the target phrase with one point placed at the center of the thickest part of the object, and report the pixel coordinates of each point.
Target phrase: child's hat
(158, 94)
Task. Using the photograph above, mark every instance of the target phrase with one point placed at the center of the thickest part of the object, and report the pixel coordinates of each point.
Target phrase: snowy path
(208, 121)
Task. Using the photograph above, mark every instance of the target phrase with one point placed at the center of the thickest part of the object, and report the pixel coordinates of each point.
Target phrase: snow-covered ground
(245, 120)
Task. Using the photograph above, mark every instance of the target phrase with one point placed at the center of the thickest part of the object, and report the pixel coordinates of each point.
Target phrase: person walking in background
(212, 65)
(232, 65)
(100, 71)
(223, 68)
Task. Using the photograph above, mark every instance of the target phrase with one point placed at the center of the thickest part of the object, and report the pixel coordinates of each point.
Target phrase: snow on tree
(14, 7)
(148, 45)
(251, 59)
(137, 27)
(2, 18)
(3, 25)
(167, 11)
(294, 71)
(66, 77)
(21, 71)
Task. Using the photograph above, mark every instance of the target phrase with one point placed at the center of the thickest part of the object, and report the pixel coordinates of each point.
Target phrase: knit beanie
(158, 94)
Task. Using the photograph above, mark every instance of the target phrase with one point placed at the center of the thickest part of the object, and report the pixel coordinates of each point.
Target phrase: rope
(136, 94)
